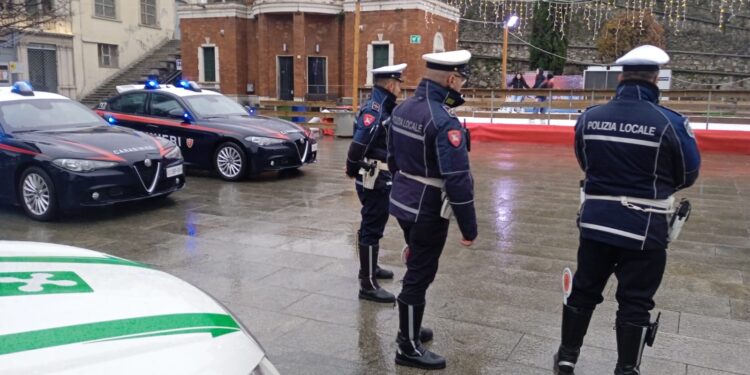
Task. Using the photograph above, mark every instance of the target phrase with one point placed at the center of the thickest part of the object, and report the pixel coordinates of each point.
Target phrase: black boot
(368, 285)
(410, 351)
(631, 339)
(425, 335)
(575, 323)
(380, 273)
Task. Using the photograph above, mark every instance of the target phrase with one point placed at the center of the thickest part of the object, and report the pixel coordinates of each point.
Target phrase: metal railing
(711, 107)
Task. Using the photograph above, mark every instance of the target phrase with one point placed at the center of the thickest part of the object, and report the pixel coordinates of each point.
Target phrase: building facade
(303, 50)
(93, 41)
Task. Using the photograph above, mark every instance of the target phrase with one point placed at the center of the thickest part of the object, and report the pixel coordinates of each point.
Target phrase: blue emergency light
(189, 85)
(111, 120)
(152, 84)
(22, 88)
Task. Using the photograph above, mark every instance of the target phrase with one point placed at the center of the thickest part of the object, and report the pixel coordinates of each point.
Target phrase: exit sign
(415, 39)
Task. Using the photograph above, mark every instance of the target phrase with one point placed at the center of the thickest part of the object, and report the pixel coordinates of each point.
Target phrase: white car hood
(65, 310)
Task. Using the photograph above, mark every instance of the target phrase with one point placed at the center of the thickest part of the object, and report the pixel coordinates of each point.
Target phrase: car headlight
(264, 141)
(81, 165)
(174, 153)
(265, 367)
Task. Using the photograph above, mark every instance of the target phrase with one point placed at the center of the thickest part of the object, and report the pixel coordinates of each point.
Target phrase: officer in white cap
(366, 162)
(635, 155)
(428, 155)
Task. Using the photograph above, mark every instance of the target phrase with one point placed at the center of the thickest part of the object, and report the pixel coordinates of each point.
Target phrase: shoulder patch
(455, 137)
(368, 119)
(376, 106)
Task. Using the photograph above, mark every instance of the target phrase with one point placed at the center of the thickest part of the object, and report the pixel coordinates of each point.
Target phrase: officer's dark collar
(383, 91)
(638, 90)
(383, 96)
(431, 89)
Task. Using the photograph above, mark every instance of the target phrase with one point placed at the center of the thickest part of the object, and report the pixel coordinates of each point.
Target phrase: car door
(190, 138)
(165, 118)
(128, 110)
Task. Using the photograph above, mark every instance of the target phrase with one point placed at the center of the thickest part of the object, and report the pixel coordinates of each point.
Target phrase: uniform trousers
(374, 212)
(426, 241)
(639, 274)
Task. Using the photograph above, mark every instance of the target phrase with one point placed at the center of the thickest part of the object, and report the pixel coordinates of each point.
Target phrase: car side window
(134, 103)
(162, 104)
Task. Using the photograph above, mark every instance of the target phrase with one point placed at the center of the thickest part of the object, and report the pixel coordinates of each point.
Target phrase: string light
(594, 13)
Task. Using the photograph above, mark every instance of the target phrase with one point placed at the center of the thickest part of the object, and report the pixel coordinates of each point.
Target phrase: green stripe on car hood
(148, 326)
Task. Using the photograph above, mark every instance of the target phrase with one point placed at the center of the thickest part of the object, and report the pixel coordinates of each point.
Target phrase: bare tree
(24, 16)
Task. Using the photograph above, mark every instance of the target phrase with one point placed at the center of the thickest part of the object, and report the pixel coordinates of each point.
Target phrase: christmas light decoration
(673, 13)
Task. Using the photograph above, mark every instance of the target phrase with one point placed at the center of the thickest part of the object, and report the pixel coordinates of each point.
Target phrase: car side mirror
(178, 113)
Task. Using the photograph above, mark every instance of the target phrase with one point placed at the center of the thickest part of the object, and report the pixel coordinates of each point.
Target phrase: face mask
(454, 98)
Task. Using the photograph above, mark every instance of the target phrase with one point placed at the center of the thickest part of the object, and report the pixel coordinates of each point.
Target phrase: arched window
(438, 45)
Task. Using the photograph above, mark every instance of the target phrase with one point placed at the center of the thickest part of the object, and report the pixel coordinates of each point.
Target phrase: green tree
(623, 32)
(545, 36)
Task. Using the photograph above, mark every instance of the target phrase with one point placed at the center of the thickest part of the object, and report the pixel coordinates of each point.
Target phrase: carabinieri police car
(213, 131)
(56, 154)
(71, 311)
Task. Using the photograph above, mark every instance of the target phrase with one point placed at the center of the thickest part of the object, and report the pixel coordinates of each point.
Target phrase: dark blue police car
(213, 131)
(56, 154)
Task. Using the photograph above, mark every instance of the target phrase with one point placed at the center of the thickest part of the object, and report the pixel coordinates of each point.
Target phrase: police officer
(635, 154)
(428, 154)
(366, 162)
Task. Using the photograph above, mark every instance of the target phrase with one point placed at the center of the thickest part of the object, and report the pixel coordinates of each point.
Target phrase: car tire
(230, 161)
(37, 194)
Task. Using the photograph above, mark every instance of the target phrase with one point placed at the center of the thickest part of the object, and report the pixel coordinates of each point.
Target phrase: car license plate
(314, 147)
(174, 171)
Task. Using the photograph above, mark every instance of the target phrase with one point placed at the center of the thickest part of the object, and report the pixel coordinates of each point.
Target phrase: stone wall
(701, 52)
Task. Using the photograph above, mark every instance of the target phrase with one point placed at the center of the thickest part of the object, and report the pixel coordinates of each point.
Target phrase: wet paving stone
(278, 250)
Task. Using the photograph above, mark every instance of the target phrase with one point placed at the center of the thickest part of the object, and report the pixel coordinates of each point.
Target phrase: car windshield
(45, 114)
(215, 106)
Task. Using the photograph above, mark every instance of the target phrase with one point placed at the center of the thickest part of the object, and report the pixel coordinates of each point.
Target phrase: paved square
(279, 252)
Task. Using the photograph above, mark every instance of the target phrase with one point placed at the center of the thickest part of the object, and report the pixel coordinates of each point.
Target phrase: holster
(653, 328)
(678, 219)
(369, 172)
(446, 211)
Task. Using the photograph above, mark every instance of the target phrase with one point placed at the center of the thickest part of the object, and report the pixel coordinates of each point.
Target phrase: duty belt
(446, 211)
(378, 164)
(659, 206)
(431, 181)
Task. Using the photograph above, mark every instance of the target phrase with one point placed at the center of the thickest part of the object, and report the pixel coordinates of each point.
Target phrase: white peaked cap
(646, 57)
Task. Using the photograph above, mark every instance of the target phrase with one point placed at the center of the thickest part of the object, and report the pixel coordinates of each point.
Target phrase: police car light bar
(189, 85)
(22, 88)
(123, 88)
(152, 84)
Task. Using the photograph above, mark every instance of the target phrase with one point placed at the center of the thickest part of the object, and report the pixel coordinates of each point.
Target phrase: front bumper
(288, 155)
(115, 185)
